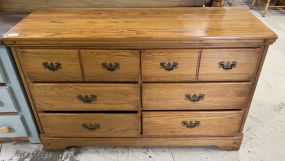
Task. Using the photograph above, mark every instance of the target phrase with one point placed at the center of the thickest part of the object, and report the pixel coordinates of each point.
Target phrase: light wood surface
(178, 65)
(209, 123)
(129, 26)
(246, 63)
(168, 96)
(225, 143)
(64, 97)
(127, 61)
(98, 125)
(32, 62)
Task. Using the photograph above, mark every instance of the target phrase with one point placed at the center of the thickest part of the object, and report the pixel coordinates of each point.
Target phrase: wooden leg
(253, 4)
(266, 8)
(233, 3)
(234, 147)
(53, 147)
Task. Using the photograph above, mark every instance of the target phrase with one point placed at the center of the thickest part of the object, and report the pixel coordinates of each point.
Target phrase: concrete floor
(264, 138)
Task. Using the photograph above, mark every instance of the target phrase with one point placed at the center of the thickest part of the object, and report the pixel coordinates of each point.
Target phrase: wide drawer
(194, 96)
(228, 64)
(86, 97)
(90, 125)
(169, 65)
(192, 123)
(7, 101)
(50, 65)
(11, 126)
(111, 65)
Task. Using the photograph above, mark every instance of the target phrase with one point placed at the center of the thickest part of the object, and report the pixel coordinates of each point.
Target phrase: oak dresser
(140, 77)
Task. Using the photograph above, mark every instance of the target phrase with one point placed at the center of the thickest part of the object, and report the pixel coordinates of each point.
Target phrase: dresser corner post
(14, 51)
(233, 145)
(264, 49)
(52, 145)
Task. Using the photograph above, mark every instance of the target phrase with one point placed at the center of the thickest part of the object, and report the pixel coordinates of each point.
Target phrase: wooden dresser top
(140, 24)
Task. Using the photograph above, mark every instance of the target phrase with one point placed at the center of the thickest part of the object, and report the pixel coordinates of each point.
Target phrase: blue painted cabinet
(20, 123)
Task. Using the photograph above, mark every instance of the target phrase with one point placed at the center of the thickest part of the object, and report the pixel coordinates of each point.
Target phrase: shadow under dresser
(140, 77)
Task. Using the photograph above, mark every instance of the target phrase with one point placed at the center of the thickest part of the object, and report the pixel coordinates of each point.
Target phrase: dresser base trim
(224, 143)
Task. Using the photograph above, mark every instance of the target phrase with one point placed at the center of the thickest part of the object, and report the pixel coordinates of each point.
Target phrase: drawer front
(111, 65)
(11, 126)
(228, 64)
(191, 123)
(195, 96)
(169, 65)
(50, 65)
(86, 97)
(91, 125)
(7, 101)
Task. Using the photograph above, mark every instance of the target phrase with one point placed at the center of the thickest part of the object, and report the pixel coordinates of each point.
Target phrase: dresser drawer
(91, 125)
(169, 65)
(195, 96)
(50, 65)
(191, 123)
(111, 65)
(7, 101)
(11, 126)
(86, 97)
(228, 64)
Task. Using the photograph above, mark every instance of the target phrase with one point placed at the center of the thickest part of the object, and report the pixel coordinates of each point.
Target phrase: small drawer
(228, 64)
(50, 65)
(7, 101)
(195, 96)
(11, 126)
(111, 65)
(86, 97)
(90, 125)
(192, 123)
(169, 65)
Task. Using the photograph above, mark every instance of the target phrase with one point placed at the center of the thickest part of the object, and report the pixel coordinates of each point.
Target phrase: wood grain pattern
(111, 125)
(128, 60)
(223, 142)
(32, 62)
(246, 59)
(145, 25)
(185, 70)
(211, 123)
(168, 96)
(64, 97)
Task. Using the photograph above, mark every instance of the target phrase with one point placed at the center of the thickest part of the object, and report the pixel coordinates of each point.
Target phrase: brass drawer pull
(90, 126)
(190, 124)
(168, 66)
(52, 66)
(6, 129)
(227, 65)
(110, 66)
(194, 97)
(88, 99)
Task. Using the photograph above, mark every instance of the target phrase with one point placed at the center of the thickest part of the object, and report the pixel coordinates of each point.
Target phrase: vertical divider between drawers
(198, 64)
(81, 66)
